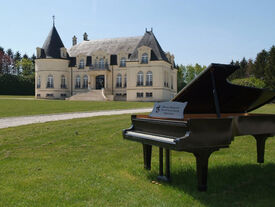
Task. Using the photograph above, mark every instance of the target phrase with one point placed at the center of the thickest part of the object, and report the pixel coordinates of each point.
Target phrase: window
(50, 81)
(101, 63)
(139, 95)
(172, 82)
(149, 94)
(38, 95)
(140, 78)
(144, 58)
(118, 81)
(49, 95)
(149, 78)
(63, 82)
(123, 62)
(38, 82)
(85, 81)
(77, 82)
(125, 81)
(81, 64)
(63, 94)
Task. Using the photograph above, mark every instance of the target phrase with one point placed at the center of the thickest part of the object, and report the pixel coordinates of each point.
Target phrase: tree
(192, 72)
(6, 63)
(249, 68)
(26, 65)
(17, 58)
(269, 72)
(9, 53)
(33, 58)
(260, 64)
(25, 56)
(180, 77)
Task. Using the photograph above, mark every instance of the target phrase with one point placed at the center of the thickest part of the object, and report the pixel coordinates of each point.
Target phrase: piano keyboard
(150, 137)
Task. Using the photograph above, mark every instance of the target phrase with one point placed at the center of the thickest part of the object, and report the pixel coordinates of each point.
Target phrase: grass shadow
(230, 185)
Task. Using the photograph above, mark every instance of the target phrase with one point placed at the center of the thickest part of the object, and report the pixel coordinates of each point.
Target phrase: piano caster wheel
(163, 178)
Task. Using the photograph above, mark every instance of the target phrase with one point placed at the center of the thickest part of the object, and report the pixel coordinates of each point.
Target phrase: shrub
(16, 85)
(251, 82)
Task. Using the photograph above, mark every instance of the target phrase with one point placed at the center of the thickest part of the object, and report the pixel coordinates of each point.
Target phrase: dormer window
(144, 58)
(81, 64)
(123, 62)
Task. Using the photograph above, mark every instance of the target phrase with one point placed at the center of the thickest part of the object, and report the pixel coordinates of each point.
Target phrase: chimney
(85, 37)
(74, 40)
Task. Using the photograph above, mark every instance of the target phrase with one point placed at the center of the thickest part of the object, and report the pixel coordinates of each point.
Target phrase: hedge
(251, 82)
(16, 85)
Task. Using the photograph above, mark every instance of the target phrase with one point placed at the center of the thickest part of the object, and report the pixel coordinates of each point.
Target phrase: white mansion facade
(129, 69)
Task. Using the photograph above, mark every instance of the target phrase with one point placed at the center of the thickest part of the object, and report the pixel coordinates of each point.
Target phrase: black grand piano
(216, 112)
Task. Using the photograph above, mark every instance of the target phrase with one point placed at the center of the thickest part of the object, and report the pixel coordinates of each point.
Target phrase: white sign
(171, 109)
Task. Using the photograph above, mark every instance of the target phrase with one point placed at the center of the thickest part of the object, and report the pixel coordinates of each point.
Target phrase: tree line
(16, 73)
(258, 73)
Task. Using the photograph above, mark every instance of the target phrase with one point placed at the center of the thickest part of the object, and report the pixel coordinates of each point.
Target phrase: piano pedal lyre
(165, 177)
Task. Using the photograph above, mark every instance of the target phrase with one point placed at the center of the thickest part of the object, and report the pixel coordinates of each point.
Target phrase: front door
(99, 82)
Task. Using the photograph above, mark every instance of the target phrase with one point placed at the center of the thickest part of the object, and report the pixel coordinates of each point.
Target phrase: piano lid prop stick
(216, 101)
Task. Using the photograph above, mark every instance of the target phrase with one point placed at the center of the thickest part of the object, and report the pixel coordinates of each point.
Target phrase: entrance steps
(93, 95)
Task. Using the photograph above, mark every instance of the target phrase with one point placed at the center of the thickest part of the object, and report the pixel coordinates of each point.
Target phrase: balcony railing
(99, 67)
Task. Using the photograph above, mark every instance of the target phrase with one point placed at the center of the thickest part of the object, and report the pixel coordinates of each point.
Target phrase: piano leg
(147, 154)
(167, 164)
(161, 177)
(202, 167)
(260, 140)
(161, 161)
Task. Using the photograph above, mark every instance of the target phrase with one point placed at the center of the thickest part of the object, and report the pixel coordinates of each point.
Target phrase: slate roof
(52, 45)
(110, 46)
(114, 46)
(151, 41)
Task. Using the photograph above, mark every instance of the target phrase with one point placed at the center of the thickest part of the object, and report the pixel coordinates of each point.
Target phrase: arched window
(149, 78)
(63, 82)
(50, 81)
(81, 64)
(77, 82)
(140, 78)
(123, 62)
(85, 81)
(38, 82)
(144, 58)
(118, 81)
(101, 63)
(125, 81)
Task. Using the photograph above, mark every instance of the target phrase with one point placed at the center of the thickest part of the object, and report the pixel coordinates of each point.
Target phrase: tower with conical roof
(52, 75)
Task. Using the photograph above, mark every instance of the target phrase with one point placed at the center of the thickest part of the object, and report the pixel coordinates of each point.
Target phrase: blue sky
(198, 31)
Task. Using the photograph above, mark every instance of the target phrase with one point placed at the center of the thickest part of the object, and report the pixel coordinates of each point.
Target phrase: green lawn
(15, 107)
(86, 162)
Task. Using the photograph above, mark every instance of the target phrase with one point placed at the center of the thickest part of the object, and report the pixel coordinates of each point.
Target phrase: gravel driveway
(24, 120)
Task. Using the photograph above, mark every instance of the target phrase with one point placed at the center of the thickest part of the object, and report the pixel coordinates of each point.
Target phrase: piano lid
(230, 98)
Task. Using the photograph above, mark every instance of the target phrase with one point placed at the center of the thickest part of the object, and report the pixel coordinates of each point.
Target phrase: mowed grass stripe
(16, 107)
(85, 162)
